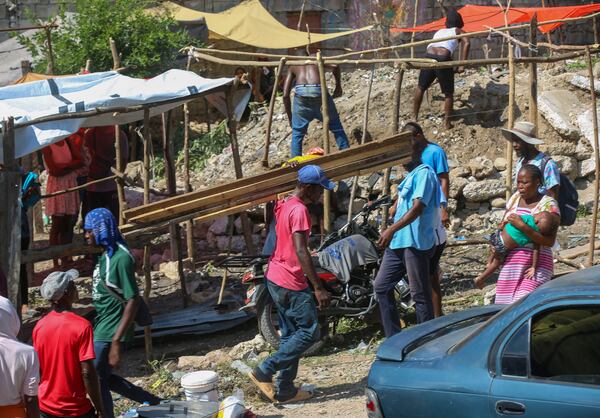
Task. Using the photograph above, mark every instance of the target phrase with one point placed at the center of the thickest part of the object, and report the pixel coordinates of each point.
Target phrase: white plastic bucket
(200, 386)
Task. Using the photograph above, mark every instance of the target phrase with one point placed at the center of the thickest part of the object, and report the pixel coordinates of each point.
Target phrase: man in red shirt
(289, 267)
(64, 342)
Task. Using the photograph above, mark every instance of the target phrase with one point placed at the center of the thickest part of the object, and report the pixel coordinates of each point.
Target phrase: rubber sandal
(266, 388)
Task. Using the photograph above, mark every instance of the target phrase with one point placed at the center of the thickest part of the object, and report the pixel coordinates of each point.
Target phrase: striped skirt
(512, 284)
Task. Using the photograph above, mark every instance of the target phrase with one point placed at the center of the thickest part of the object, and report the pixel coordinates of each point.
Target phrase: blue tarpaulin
(86, 94)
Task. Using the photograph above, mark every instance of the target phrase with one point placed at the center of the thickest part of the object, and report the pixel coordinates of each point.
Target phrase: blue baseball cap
(313, 174)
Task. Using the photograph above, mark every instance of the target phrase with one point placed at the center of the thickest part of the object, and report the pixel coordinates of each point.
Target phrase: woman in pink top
(62, 160)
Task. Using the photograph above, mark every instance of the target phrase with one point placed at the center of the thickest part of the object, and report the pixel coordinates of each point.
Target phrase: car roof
(583, 282)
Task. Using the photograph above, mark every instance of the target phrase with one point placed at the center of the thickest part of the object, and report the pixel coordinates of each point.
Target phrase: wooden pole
(301, 14)
(10, 214)
(115, 54)
(511, 106)
(548, 36)
(395, 128)
(362, 139)
(207, 114)
(174, 229)
(25, 67)
(50, 68)
(325, 112)
(412, 36)
(279, 71)
(237, 163)
(146, 264)
(189, 225)
(533, 81)
(120, 168)
(588, 58)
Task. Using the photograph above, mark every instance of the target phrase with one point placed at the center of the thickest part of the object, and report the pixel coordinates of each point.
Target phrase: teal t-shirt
(118, 272)
(519, 237)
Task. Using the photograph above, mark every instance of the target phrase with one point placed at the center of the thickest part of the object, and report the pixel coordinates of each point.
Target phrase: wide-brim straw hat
(523, 131)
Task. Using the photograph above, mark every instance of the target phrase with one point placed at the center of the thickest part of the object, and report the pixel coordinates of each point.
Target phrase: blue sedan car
(538, 358)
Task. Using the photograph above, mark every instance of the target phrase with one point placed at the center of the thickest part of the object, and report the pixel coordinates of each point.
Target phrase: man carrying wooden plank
(307, 104)
(286, 275)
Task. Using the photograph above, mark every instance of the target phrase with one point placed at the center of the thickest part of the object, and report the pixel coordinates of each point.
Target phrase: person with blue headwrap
(116, 298)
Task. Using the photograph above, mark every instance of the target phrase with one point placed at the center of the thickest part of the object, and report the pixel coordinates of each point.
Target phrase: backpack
(568, 199)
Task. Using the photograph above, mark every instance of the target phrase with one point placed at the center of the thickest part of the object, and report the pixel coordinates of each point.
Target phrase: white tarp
(30, 101)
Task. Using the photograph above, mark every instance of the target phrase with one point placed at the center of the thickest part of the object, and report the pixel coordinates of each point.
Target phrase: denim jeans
(270, 240)
(307, 107)
(416, 264)
(299, 327)
(111, 382)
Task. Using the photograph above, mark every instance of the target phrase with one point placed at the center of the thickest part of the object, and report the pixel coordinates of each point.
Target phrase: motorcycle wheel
(269, 328)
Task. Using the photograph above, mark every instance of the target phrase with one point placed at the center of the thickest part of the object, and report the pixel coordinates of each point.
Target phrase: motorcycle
(347, 262)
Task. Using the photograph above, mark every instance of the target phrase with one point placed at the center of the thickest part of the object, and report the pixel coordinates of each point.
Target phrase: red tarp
(478, 18)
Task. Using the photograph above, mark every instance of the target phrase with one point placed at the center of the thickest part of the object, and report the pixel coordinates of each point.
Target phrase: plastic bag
(233, 406)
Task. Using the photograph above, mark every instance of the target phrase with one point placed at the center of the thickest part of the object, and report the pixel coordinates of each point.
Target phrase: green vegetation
(148, 43)
(205, 146)
(579, 64)
(582, 211)
(201, 149)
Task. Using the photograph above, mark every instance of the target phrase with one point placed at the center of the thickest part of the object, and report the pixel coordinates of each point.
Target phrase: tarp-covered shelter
(251, 24)
(478, 18)
(98, 99)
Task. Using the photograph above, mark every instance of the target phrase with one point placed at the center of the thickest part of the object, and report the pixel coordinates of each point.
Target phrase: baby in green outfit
(507, 238)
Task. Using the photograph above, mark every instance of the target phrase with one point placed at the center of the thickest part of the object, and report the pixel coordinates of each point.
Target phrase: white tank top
(450, 45)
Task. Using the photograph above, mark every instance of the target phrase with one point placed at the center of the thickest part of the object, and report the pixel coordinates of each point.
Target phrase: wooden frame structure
(9, 181)
(572, 51)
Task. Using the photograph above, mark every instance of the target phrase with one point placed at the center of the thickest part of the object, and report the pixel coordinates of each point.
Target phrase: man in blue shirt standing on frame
(411, 240)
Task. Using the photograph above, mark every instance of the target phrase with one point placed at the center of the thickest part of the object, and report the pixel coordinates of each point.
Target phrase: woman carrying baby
(524, 267)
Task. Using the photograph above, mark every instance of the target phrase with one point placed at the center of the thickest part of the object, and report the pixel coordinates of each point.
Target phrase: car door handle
(510, 408)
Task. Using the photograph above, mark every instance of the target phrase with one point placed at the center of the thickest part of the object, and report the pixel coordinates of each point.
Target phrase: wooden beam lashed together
(237, 163)
(533, 79)
(326, 148)
(10, 213)
(395, 128)
(278, 74)
(146, 267)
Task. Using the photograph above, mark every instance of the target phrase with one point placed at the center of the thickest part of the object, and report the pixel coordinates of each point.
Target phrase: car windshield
(489, 321)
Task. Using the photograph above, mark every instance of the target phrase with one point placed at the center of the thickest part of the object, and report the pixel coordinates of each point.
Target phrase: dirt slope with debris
(480, 110)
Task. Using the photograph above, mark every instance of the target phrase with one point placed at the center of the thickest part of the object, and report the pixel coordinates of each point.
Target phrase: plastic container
(180, 409)
(200, 386)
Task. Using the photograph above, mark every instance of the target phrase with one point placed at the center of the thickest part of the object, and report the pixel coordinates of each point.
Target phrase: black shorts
(445, 76)
(434, 262)
(497, 243)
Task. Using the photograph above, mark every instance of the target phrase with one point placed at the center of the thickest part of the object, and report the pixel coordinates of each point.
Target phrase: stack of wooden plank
(239, 195)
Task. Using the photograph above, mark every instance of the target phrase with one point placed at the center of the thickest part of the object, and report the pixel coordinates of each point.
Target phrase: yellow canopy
(29, 77)
(250, 23)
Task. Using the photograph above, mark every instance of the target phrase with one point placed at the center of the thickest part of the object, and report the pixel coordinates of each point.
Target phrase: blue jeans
(307, 107)
(299, 327)
(110, 381)
(271, 240)
(416, 264)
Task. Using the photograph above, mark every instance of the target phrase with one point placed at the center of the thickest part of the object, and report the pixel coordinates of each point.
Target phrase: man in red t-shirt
(286, 274)
(64, 342)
